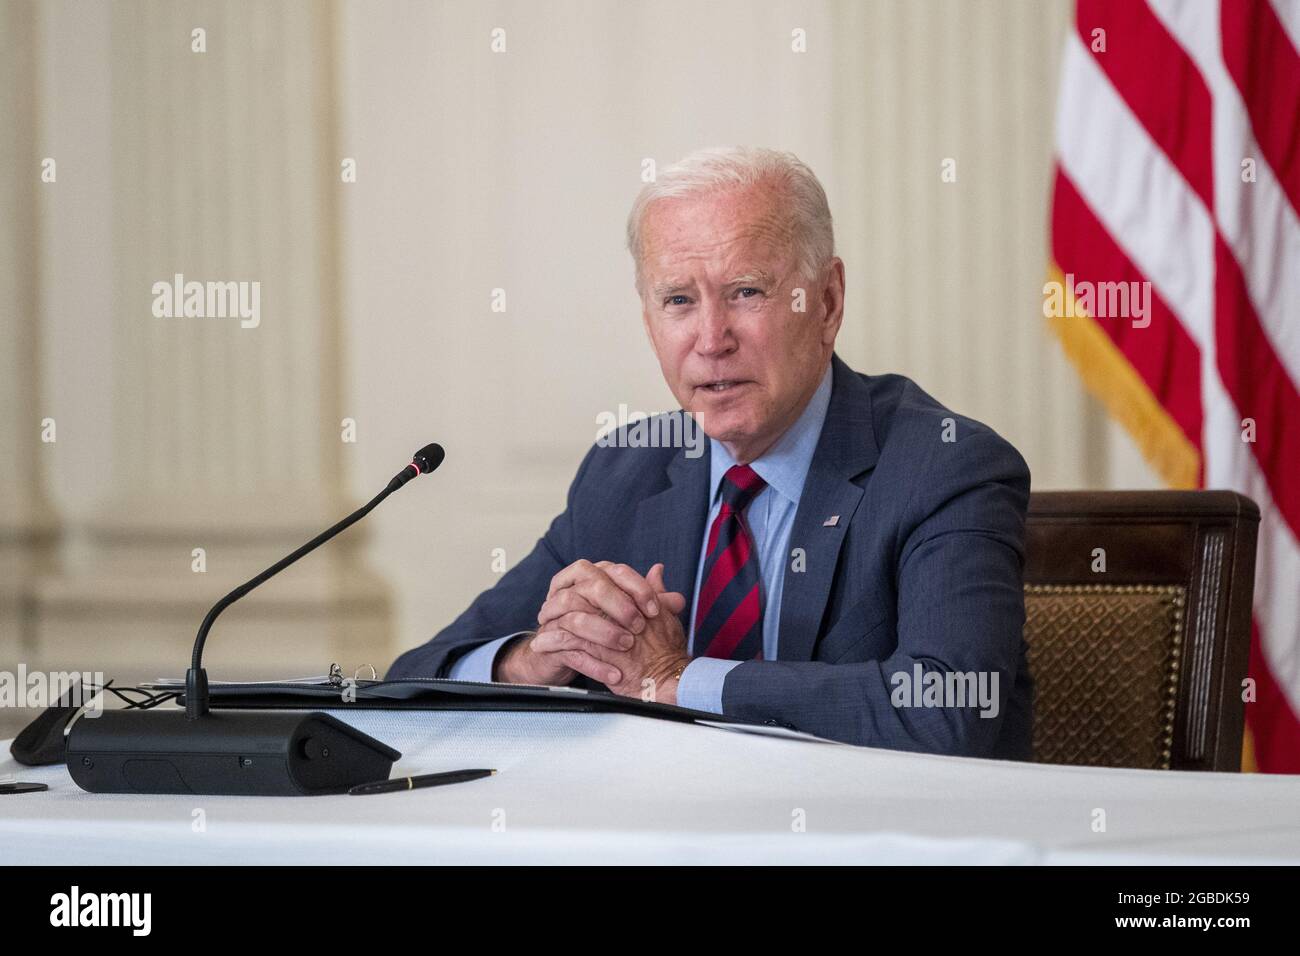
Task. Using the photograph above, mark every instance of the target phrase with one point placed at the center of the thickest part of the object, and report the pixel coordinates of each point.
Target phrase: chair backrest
(1137, 617)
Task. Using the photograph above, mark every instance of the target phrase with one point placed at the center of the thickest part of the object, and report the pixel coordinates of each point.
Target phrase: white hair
(724, 167)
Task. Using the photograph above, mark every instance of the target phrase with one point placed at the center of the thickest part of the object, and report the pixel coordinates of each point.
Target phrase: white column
(27, 525)
(224, 438)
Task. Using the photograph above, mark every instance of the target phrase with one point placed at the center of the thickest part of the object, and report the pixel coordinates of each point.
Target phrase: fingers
(674, 601)
(568, 577)
(564, 602)
(584, 663)
(639, 588)
(602, 628)
(575, 653)
(595, 629)
(601, 592)
(520, 664)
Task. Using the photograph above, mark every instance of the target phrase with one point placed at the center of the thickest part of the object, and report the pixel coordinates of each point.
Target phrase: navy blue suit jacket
(923, 566)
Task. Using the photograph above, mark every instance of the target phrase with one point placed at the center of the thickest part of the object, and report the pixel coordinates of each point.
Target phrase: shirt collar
(785, 465)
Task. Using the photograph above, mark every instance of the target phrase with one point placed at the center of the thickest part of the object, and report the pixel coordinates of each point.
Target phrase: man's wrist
(505, 668)
(666, 685)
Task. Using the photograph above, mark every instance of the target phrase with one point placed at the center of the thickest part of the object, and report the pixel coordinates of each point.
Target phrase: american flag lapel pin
(831, 522)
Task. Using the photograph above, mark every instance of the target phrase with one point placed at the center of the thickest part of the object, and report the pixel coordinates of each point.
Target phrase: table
(612, 788)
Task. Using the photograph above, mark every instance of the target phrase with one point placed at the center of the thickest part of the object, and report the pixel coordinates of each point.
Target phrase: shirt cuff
(700, 686)
(477, 664)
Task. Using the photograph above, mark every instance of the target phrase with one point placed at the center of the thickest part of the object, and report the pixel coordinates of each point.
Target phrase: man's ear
(645, 323)
(833, 301)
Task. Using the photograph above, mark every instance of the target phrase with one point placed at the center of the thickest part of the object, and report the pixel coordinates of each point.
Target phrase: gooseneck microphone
(234, 752)
(196, 678)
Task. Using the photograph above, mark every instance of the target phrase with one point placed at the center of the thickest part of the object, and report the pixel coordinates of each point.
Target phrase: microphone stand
(196, 678)
(248, 752)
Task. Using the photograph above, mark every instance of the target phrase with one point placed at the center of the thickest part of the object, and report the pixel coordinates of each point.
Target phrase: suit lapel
(846, 448)
(671, 525)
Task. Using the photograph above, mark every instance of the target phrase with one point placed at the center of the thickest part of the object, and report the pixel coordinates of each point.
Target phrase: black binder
(427, 693)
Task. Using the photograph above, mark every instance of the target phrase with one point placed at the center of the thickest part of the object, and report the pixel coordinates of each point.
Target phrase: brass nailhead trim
(1177, 599)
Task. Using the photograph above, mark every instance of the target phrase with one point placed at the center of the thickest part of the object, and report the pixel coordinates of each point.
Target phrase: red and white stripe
(1151, 137)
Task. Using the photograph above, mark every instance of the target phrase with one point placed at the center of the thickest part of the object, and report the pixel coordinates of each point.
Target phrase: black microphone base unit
(223, 753)
(247, 753)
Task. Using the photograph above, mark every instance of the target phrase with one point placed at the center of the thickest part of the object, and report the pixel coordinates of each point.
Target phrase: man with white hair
(846, 559)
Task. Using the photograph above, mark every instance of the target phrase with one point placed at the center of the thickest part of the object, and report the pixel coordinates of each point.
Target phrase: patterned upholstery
(1106, 665)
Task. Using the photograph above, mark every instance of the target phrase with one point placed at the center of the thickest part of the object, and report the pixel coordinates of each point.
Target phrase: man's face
(718, 294)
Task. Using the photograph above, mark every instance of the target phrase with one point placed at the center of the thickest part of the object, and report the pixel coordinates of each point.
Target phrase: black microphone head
(428, 458)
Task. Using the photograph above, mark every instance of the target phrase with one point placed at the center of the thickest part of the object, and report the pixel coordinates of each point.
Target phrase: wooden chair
(1138, 617)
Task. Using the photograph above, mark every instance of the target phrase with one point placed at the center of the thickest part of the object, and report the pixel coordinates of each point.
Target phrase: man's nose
(714, 333)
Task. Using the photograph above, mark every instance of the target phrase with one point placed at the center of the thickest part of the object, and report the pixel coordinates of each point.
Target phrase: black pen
(415, 783)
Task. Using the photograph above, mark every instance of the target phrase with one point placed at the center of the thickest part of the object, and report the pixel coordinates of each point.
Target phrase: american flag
(1178, 165)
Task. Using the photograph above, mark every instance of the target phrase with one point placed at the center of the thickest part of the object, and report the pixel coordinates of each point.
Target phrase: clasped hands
(607, 622)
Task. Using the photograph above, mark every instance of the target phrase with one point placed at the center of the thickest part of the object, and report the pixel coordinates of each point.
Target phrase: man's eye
(675, 300)
(748, 292)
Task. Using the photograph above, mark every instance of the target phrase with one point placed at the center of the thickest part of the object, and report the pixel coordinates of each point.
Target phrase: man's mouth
(720, 386)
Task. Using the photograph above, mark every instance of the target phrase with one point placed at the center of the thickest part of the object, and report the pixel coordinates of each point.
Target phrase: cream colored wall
(476, 171)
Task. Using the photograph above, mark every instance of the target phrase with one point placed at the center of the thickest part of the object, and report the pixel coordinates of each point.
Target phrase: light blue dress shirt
(770, 517)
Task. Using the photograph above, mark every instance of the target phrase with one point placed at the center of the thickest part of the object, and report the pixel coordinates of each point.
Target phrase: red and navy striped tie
(729, 612)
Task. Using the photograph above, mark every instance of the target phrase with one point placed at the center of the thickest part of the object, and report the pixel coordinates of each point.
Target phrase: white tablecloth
(605, 788)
